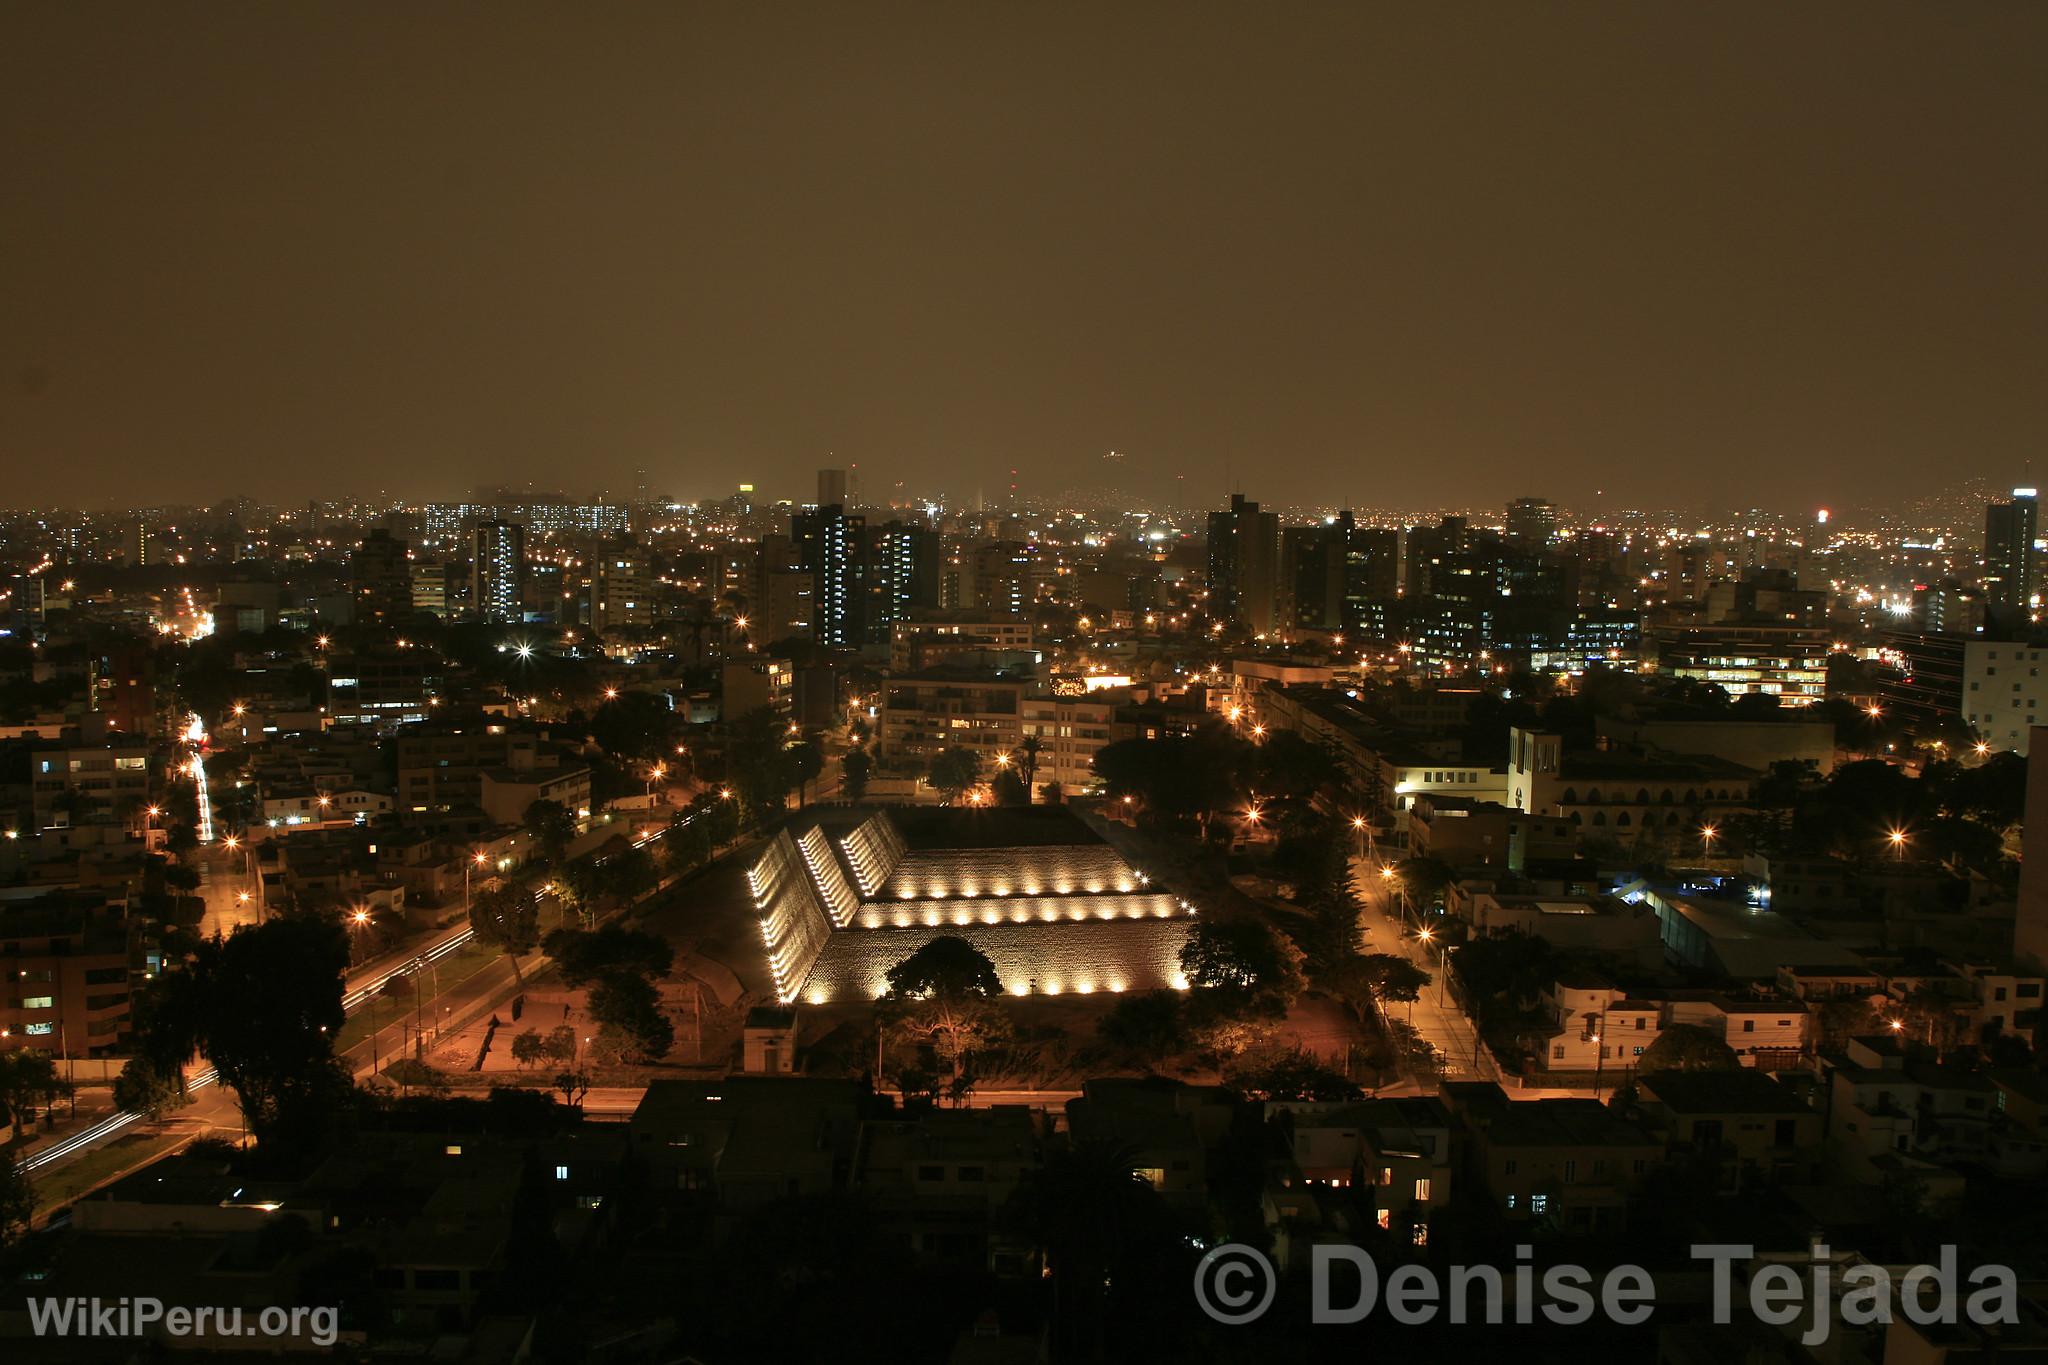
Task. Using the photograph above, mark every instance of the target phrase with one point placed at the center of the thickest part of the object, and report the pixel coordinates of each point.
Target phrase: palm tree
(1030, 748)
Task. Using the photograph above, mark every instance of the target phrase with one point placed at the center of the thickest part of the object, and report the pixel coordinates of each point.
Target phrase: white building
(2005, 688)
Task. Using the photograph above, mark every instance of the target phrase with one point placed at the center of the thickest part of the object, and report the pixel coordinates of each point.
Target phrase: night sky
(1740, 254)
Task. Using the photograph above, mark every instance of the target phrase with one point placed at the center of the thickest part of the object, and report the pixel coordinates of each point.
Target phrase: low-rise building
(505, 793)
(65, 973)
(939, 1181)
(1754, 1126)
(1572, 1162)
(70, 785)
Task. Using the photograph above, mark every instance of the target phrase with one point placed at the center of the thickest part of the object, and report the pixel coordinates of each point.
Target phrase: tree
(264, 1005)
(1030, 749)
(1293, 1075)
(629, 1003)
(806, 761)
(17, 1203)
(574, 1085)
(948, 965)
(1687, 1047)
(953, 771)
(947, 986)
(528, 1048)
(853, 773)
(552, 827)
(628, 873)
(142, 1089)
(758, 760)
(1151, 1024)
(583, 957)
(507, 919)
(27, 1079)
(1009, 789)
(1424, 879)
(560, 1044)
(1250, 967)
(1372, 979)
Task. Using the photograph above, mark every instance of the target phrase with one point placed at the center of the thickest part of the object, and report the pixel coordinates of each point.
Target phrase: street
(1436, 1016)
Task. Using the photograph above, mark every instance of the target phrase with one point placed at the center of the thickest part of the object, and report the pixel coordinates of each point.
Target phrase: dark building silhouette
(1244, 564)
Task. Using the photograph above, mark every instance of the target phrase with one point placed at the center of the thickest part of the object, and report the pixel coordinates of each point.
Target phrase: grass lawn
(451, 971)
(77, 1177)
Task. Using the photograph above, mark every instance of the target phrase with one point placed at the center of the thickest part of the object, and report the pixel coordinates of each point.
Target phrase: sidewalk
(1436, 1016)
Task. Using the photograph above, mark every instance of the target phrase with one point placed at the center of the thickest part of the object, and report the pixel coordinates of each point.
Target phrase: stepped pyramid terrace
(845, 895)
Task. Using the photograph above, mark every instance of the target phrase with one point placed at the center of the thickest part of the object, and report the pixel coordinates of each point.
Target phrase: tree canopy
(1688, 1047)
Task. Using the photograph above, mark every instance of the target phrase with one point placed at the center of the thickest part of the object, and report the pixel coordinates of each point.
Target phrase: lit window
(1422, 1191)
(561, 1172)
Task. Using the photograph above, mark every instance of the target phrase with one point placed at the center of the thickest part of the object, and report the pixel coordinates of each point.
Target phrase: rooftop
(1720, 1092)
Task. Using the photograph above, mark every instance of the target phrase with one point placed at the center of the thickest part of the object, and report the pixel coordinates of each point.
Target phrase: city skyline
(1353, 258)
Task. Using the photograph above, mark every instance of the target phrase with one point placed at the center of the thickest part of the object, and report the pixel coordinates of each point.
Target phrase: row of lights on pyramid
(863, 867)
(903, 919)
(938, 891)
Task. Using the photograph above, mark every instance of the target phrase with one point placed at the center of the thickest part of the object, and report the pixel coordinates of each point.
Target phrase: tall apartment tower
(831, 488)
(904, 575)
(2009, 529)
(832, 547)
(619, 587)
(1532, 521)
(380, 576)
(497, 584)
(1244, 564)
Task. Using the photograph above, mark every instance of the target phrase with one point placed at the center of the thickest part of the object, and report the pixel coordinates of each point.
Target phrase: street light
(1897, 839)
(1707, 836)
(1428, 935)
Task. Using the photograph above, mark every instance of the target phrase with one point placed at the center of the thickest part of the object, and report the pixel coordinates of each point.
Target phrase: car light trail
(350, 1002)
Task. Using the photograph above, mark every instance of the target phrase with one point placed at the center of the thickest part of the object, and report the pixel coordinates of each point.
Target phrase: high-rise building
(832, 547)
(1244, 564)
(380, 576)
(432, 592)
(619, 588)
(1002, 576)
(831, 488)
(2009, 529)
(498, 571)
(1315, 563)
(905, 574)
(1532, 521)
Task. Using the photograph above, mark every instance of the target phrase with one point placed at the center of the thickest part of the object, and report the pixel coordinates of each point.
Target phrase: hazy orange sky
(1732, 253)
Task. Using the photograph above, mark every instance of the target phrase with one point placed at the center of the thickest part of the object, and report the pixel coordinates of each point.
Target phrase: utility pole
(1599, 1056)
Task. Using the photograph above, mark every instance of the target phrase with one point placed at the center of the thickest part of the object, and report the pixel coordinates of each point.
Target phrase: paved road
(1436, 1015)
